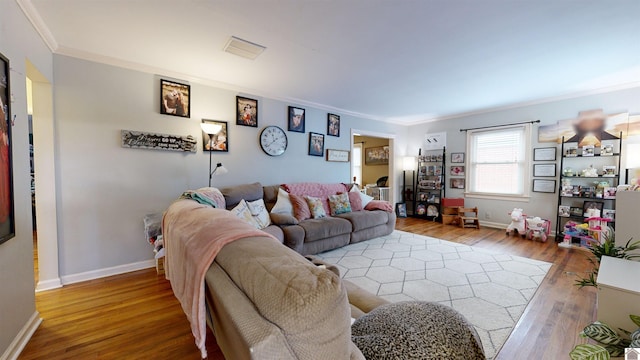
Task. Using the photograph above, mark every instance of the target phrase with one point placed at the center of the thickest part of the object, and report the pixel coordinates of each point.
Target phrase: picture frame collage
(457, 171)
(545, 169)
(175, 100)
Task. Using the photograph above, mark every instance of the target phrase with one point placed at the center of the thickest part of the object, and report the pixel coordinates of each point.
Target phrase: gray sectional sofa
(312, 236)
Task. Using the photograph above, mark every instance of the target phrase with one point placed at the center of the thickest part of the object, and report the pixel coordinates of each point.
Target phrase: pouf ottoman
(416, 330)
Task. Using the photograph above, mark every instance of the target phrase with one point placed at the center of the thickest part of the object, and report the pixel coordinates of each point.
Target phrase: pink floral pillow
(315, 207)
(339, 204)
(300, 207)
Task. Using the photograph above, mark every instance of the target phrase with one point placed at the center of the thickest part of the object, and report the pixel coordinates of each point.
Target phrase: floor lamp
(213, 129)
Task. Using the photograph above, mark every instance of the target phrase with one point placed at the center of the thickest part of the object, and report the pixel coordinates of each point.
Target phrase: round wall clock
(273, 140)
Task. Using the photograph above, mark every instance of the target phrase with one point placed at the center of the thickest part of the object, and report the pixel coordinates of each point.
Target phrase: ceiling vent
(243, 48)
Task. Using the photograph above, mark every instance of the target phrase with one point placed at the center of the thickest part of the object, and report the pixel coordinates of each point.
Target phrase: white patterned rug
(490, 289)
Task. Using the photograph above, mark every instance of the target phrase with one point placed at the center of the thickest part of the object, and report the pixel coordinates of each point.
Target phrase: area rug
(490, 289)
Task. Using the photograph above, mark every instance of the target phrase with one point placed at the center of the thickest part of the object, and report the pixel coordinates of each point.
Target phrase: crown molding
(550, 99)
(36, 20)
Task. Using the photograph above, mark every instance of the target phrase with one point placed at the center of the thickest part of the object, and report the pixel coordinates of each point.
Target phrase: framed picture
(401, 210)
(544, 154)
(316, 144)
(296, 119)
(216, 142)
(175, 98)
(563, 210)
(587, 206)
(333, 125)
(575, 211)
(378, 155)
(337, 155)
(246, 111)
(546, 186)
(7, 214)
(457, 170)
(457, 158)
(544, 170)
(456, 183)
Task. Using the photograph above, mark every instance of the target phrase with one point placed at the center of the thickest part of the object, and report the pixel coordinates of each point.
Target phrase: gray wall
(540, 204)
(19, 42)
(105, 190)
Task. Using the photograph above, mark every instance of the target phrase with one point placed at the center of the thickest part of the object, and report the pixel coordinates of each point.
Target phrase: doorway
(377, 176)
(42, 132)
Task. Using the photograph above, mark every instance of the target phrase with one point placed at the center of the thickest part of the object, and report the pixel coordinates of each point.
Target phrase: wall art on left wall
(7, 215)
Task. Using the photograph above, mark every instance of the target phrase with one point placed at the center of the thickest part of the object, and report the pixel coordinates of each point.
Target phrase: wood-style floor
(136, 316)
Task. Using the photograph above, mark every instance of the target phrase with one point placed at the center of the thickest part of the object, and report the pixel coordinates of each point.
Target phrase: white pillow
(364, 197)
(259, 213)
(283, 204)
(243, 213)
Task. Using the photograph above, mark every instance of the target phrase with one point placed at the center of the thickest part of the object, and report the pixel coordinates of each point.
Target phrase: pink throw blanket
(193, 236)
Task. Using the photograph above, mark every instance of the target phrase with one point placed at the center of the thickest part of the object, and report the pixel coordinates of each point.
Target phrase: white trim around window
(499, 163)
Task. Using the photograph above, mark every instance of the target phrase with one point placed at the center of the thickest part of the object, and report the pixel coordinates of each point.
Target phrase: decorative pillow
(315, 207)
(366, 199)
(283, 219)
(379, 205)
(355, 201)
(259, 213)
(339, 204)
(215, 195)
(300, 207)
(283, 204)
(243, 213)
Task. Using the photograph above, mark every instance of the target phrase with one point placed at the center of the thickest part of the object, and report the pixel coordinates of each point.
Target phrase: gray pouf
(416, 330)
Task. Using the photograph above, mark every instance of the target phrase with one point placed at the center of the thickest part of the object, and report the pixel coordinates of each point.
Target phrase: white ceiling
(404, 61)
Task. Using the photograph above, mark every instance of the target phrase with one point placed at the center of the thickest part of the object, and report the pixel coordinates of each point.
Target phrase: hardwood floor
(136, 316)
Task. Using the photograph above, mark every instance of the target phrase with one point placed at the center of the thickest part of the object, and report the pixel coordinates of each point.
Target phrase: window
(356, 164)
(499, 161)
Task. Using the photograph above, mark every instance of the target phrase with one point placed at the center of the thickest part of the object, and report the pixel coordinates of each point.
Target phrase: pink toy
(537, 229)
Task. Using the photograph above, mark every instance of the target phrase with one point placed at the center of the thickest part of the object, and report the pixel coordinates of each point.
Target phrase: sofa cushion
(355, 200)
(365, 219)
(283, 204)
(300, 207)
(315, 207)
(248, 192)
(259, 213)
(339, 204)
(242, 212)
(319, 229)
(285, 288)
(270, 195)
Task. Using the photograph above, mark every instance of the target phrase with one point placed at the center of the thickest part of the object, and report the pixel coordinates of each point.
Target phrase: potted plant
(609, 342)
(607, 248)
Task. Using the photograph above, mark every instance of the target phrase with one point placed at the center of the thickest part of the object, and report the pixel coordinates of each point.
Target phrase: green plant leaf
(615, 350)
(602, 333)
(635, 319)
(589, 352)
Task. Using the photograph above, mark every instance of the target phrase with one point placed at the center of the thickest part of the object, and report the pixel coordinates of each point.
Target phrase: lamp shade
(211, 129)
(408, 163)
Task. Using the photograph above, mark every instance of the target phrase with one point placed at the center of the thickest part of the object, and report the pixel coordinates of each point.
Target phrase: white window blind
(356, 164)
(499, 161)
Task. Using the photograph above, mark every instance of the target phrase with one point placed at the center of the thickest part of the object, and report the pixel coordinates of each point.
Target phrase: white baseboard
(23, 337)
(493, 225)
(48, 284)
(116, 270)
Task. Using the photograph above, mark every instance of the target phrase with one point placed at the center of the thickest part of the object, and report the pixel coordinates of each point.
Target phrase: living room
(102, 190)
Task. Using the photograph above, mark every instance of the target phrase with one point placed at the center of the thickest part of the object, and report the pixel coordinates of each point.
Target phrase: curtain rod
(487, 127)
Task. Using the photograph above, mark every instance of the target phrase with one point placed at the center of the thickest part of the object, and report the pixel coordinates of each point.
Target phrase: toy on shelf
(537, 228)
(517, 222)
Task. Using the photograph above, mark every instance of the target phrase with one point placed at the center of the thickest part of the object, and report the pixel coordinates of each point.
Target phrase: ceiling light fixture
(243, 48)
